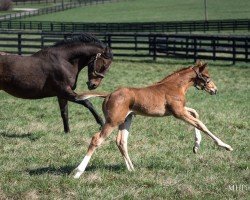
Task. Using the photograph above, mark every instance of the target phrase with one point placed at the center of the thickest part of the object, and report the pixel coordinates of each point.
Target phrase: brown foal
(164, 98)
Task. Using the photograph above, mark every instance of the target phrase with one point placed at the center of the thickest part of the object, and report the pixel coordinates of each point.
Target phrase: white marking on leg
(81, 168)
(197, 140)
(124, 143)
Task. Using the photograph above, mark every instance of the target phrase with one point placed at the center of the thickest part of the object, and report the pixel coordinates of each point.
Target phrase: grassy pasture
(37, 157)
(152, 11)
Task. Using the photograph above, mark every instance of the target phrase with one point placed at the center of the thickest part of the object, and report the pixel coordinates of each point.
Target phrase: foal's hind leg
(186, 116)
(122, 141)
(63, 103)
(96, 141)
(197, 131)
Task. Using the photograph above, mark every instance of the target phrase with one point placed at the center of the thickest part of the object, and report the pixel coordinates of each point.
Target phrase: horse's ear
(107, 49)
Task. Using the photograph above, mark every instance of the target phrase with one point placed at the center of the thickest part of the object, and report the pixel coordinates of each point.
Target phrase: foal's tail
(87, 95)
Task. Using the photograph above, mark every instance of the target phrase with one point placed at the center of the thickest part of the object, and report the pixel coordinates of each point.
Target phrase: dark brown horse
(164, 98)
(53, 71)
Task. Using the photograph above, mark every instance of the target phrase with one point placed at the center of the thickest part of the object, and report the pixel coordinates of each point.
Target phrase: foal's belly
(151, 110)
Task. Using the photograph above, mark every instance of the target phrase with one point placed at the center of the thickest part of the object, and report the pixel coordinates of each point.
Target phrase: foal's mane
(83, 38)
(173, 74)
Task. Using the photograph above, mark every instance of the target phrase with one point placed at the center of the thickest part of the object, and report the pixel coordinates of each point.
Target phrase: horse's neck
(80, 54)
(181, 80)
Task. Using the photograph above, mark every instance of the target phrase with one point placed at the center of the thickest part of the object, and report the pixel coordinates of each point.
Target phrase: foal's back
(148, 101)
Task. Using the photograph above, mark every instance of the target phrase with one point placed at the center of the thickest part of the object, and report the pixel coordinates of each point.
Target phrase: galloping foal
(164, 98)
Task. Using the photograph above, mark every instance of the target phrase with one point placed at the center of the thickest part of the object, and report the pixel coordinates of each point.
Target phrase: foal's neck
(180, 80)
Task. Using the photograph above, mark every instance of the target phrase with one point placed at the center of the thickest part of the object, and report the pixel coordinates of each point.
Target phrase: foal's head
(98, 67)
(203, 80)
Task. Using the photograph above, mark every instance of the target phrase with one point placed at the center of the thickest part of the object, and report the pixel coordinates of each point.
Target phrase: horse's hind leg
(122, 141)
(70, 95)
(91, 108)
(197, 135)
(186, 116)
(96, 141)
(63, 103)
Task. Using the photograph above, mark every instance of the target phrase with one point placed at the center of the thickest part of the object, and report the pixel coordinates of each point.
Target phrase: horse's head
(98, 67)
(203, 80)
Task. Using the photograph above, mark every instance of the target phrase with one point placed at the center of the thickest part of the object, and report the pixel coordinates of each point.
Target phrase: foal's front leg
(186, 116)
(197, 134)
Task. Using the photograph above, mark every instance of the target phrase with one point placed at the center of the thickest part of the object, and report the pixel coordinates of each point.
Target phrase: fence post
(109, 40)
(154, 52)
(135, 41)
(187, 39)
(19, 46)
(213, 46)
(234, 51)
(167, 45)
(195, 49)
(246, 51)
(42, 41)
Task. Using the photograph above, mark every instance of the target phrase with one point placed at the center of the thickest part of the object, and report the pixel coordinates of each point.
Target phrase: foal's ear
(202, 67)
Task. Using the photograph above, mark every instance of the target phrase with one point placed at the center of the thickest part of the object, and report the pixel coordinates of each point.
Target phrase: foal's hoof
(76, 173)
(229, 148)
(195, 149)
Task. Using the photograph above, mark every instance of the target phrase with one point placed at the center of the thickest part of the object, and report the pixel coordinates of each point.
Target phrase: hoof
(229, 148)
(76, 173)
(195, 149)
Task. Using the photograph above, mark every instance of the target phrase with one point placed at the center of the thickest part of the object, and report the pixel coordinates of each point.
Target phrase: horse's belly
(29, 91)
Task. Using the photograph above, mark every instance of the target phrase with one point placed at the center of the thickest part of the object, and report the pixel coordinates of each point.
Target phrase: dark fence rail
(182, 26)
(23, 2)
(47, 10)
(153, 46)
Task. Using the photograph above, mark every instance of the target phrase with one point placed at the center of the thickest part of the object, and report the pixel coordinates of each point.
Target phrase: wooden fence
(181, 26)
(60, 7)
(23, 2)
(152, 46)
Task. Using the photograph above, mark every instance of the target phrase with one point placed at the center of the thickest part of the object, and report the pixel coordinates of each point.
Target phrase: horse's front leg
(197, 135)
(186, 116)
(63, 104)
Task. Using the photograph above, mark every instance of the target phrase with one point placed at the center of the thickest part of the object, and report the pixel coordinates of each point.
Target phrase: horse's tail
(87, 95)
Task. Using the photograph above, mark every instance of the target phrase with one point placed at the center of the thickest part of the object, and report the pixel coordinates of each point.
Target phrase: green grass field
(37, 157)
(152, 11)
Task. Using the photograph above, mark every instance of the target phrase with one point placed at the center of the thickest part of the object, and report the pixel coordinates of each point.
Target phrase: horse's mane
(173, 74)
(83, 38)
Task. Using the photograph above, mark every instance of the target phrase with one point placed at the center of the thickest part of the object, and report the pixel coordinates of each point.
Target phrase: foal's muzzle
(213, 91)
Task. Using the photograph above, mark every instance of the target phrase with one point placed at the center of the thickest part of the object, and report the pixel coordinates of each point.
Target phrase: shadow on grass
(30, 136)
(66, 170)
